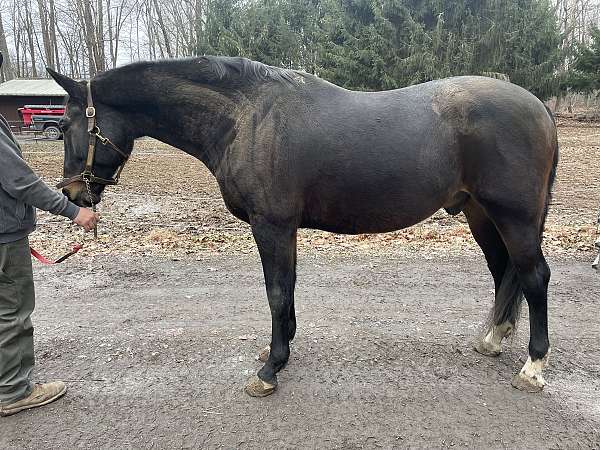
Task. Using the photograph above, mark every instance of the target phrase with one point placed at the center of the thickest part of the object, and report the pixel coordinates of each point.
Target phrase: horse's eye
(63, 124)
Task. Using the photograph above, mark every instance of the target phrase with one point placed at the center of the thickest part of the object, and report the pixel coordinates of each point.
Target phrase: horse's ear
(75, 89)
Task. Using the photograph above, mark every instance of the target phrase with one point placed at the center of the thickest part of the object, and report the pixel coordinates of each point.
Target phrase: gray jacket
(21, 190)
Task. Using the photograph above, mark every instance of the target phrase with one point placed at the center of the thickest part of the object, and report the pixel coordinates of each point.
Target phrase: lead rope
(41, 258)
(89, 192)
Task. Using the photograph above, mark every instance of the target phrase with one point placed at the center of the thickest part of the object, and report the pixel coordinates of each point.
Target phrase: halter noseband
(87, 175)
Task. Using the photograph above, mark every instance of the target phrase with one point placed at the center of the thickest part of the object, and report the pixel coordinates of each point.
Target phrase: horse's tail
(507, 307)
(510, 293)
(552, 172)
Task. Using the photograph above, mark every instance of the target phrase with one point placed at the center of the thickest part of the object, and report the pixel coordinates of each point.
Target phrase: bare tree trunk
(198, 27)
(30, 38)
(570, 103)
(67, 41)
(16, 26)
(137, 33)
(111, 38)
(163, 29)
(53, 27)
(558, 102)
(88, 27)
(101, 56)
(115, 25)
(152, 36)
(48, 50)
(7, 69)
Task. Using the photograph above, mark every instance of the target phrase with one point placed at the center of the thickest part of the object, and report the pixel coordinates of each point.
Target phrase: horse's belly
(382, 224)
(376, 215)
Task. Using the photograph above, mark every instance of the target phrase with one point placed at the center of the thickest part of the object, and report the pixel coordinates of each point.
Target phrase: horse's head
(97, 141)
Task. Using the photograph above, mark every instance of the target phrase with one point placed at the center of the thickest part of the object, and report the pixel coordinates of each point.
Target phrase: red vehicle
(44, 110)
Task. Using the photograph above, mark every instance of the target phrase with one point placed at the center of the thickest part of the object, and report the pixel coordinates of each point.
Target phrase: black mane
(222, 68)
(211, 70)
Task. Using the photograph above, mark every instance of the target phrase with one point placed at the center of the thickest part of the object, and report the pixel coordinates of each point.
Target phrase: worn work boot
(41, 395)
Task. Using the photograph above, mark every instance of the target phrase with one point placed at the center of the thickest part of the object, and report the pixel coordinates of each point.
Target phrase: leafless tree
(44, 19)
(6, 73)
(30, 33)
(84, 37)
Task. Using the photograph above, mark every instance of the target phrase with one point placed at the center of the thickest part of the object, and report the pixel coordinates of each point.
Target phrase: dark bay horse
(290, 150)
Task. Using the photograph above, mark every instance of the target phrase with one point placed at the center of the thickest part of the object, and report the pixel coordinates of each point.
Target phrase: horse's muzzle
(78, 194)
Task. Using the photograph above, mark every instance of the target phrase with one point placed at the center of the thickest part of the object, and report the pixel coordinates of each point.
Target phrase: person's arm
(19, 181)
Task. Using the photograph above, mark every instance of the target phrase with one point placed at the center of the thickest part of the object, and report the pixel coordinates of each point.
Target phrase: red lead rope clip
(46, 261)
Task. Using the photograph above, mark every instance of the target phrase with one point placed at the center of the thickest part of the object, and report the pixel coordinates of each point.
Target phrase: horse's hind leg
(277, 248)
(508, 294)
(523, 242)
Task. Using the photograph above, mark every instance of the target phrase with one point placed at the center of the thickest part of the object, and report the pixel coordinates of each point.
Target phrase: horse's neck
(174, 123)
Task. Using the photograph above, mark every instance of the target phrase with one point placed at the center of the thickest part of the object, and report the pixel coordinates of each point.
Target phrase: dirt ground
(155, 326)
(156, 354)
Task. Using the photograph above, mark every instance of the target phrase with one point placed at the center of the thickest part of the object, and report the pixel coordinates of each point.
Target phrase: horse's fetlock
(538, 349)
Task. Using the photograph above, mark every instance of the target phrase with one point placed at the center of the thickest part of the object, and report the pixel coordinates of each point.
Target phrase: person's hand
(87, 219)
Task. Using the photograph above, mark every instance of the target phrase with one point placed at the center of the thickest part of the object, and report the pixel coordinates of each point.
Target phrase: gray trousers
(17, 300)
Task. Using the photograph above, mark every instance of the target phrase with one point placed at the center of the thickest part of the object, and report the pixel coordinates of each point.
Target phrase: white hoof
(528, 384)
(491, 344)
(530, 378)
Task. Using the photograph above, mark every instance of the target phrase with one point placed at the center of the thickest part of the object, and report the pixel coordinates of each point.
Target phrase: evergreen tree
(386, 44)
(585, 75)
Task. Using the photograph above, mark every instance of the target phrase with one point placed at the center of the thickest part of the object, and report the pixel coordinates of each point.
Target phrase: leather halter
(87, 175)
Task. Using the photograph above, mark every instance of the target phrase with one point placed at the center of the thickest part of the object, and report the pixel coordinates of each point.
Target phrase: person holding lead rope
(21, 191)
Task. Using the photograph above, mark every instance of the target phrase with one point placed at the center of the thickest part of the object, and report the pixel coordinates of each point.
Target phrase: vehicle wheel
(52, 132)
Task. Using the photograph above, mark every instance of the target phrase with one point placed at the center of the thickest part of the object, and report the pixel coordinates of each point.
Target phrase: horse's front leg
(263, 355)
(277, 248)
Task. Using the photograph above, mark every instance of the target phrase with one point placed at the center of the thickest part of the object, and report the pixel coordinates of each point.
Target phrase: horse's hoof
(259, 388)
(487, 348)
(526, 383)
(491, 343)
(263, 356)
